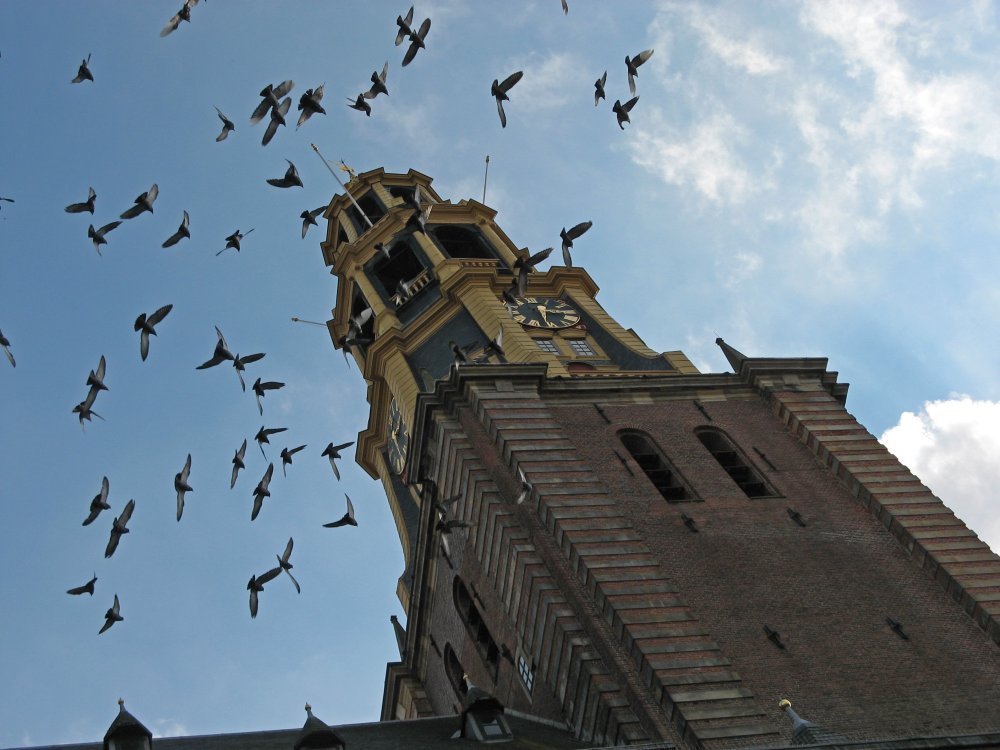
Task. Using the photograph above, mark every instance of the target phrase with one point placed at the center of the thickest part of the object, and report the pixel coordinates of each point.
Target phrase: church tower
(598, 534)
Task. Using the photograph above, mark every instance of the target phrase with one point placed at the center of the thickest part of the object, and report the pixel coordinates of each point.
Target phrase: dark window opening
(342, 238)
(401, 191)
(461, 242)
(373, 209)
(453, 668)
(656, 467)
(397, 272)
(473, 621)
(733, 462)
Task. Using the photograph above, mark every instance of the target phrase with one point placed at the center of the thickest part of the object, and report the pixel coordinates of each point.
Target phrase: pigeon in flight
(182, 231)
(87, 588)
(240, 363)
(310, 105)
(499, 92)
(96, 379)
(262, 437)
(416, 42)
(261, 491)
(495, 346)
(565, 7)
(285, 565)
(568, 235)
(461, 353)
(291, 178)
(238, 463)
(97, 235)
(99, 503)
(112, 616)
(277, 118)
(118, 528)
(286, 457)
(261, 388)
(145, 325)
(5, 345)
(526, 487)
(622, 110)
(633, 67)
(83, 73)
(143, 203)
(309, 219)
(233, 240)
(181, 485)
(360, 104)
(404, 26)
(7, 200)
(272, 96)
(332, 452)
(228, 126)
(446, 526)
(220, 355)
(346, 520)
(599, 88)
(84, 408)
(378, 83)
(256, 585)
(184, 14)
(87, 205)
(525, 264)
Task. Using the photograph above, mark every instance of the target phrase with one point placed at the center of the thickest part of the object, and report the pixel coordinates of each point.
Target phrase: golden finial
(784, 703)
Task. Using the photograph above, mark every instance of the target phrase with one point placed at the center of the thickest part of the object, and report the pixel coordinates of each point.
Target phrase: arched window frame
(659, 470)
(476, 626)
(454, 670)
(735, 463)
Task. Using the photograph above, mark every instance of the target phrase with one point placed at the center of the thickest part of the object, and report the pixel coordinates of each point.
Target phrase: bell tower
(600, 535)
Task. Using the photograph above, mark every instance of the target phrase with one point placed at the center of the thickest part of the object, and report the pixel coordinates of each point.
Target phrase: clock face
(399, 438)
(544, 312)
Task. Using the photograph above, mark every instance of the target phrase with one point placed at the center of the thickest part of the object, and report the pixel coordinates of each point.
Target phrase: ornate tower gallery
(600, 535)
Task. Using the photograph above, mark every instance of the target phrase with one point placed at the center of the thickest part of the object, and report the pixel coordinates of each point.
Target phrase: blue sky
(803, 179)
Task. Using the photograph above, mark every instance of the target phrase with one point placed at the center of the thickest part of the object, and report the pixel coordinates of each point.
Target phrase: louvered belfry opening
(734, 463)
(663, 476)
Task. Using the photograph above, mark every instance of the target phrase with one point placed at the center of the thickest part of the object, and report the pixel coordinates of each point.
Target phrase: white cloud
(549, 81)
(733, 46)
(952, 446)
(169, 728)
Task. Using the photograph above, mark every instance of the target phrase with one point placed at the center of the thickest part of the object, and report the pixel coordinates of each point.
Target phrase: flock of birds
(275, 105)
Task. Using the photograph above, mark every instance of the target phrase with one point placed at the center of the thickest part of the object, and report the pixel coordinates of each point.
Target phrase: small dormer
(482, 717)
(317, 735)
(127, 732)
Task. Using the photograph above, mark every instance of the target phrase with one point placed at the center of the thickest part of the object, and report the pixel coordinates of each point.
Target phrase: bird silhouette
(404, 26)
(346, 520)
(181, 485)
(286, 457)
(87, 205)
(220, 355)
(309, 104)
(526, 487)
(285, 565)
(184, 14)
(599, 88)
(118, 528)
(240, 363)
(238, 463)
(228, 126)
(332, 452)
(144, 202)
(378, 83)
(499, 92)
(97, 235)
(112, 616)
(99, 503)
(5, 345)
(182, 231)
(87, 588)
(632, 65)
(277, 118)
(416, 42)
(233, 241)
(568, 235)
(622, 110)
(261, 388)
(96, 378)
(83, 73)
(145, 326)
(360, 104)
(525, 264)
(262, 437)
(256, 585)
(261, 491)
(291, 178)
(84, 408)
(271, 97)
(309, 219)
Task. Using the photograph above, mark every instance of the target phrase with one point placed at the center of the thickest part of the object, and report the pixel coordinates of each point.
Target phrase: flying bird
(233, 240)
(360, 104)
(112, 616)
(291, 178)
(499, 92)
(181, 485)
(142, 203)
(286, 457)
(97, 235)
(525, 264)
(182, 231)
(286, 566)
(87, 205)
(256, 585)
(309, 104)
(461, 353)
(416, 41)
(565, 7)
(272, 96)
(7, 200)
(99, 503)
(277, 118)
(87, 588)
(378, 83)
(261, 388)
(526, 487)
(228, 126)
(346, 520)
(332, 452)
(5, 345)
(495, 346)
(261, 491)
(404, 26)
(84, 408)
(220, 355)
(96, 379)
(309, 219)
(262, 437)
(83, 73)
(599, 88)
(632, 64)
(184, 14)
(446, 526)
(240, 364)
(238, 463)
(622, 110)
(118, 528)
(145, 325)
(568, 235)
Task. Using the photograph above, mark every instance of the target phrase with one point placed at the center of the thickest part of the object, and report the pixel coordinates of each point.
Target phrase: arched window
(459, 241)
(659, 471)
(473, 622)
(733, 461)
(373, 209)
(453, 668)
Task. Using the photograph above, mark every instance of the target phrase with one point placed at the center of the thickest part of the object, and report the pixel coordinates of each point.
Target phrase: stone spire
(736, 358)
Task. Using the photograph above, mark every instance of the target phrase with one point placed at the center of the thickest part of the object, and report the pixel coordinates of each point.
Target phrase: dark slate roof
(417, 734)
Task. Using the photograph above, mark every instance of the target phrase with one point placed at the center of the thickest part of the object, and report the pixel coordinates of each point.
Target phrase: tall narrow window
(473, 621)
(659, 471)
(453, 668)
(730, 459)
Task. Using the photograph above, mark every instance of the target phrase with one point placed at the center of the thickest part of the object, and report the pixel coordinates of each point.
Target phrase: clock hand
(542, 310)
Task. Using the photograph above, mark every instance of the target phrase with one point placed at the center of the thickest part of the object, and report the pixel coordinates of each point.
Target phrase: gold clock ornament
(399, 438)
(544, 312)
